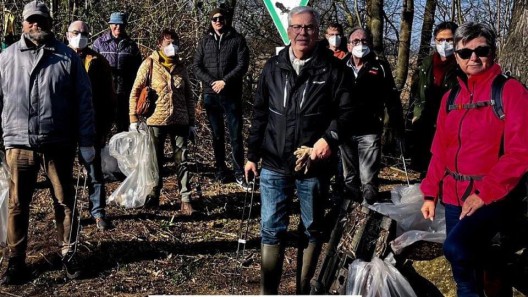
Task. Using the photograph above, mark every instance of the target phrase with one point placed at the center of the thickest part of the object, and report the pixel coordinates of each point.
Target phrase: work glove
(192, 134)
(133, 127)
(303, 158)
(87, 153)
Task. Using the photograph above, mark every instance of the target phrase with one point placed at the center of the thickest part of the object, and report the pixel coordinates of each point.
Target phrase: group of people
(59, 98)
(315, 102)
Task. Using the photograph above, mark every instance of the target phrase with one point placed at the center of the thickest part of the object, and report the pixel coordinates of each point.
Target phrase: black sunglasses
(481, 51)
(218, 19)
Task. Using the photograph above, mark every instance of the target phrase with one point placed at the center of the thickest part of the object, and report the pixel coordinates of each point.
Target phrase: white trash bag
(135, 152)
(406, 194)
(4, 199)
(376, 278)
(411, 225)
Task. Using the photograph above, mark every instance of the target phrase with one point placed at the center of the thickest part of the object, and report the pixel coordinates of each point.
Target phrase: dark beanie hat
(218, 10)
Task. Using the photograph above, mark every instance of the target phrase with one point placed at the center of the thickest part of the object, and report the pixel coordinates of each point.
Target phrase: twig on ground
(9, 294)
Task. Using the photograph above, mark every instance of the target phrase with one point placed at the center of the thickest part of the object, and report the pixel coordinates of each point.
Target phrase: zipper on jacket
(304, 93)
(460, 143)
(285, 92)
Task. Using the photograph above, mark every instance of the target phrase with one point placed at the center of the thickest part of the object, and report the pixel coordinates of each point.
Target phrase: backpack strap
(453, 93)
(496, 94)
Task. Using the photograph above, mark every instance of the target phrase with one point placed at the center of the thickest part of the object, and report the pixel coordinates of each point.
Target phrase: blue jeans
(467, 241)
(96, 187)
(276, 192)
(216, 106)
(361, 157)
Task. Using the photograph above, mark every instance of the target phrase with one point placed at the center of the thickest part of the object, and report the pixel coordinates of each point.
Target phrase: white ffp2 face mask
(170, 50)
(334, 40)
(360, 50)
(78, 42)
(445, 49)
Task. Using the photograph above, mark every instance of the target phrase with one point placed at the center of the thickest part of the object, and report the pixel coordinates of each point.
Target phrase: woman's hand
(472, 203)
(428, 209)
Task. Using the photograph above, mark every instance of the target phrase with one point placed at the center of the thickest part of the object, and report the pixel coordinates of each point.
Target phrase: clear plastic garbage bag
(406, 194)
(108, 164)
(411, 225)
(376, 278)
(4, 199)
(135, 152)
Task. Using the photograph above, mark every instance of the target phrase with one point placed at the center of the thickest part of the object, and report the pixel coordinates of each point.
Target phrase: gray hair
(367, 32)
(304, 9)
(471, 30)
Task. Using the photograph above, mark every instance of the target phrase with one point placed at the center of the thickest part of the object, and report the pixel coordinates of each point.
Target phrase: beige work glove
(303, 158)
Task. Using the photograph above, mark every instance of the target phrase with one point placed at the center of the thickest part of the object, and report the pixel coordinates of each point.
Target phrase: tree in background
(514, 54)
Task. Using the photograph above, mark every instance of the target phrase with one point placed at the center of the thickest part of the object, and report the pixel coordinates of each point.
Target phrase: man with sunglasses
(103, 101)
(435, 76)
(124, 57)
(478, 159)
(220, 62)
(47, 111)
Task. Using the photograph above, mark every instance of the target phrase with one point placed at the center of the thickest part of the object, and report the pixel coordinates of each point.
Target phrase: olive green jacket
(425, 95)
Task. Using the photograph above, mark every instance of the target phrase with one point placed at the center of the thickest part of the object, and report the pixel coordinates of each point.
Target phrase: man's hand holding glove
(306, 155)
(303, 158)
(87, 153)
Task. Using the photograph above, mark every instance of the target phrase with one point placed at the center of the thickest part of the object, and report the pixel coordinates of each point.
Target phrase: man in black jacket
(301, 100)
(220, 62)
(370, 81)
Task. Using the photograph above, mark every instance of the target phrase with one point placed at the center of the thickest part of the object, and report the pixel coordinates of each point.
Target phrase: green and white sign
(278, 10)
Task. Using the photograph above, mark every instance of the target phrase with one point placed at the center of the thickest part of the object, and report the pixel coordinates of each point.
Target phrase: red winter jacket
(468, 141)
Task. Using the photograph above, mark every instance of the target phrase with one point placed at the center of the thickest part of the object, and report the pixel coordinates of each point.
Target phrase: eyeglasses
(440, 40)
(310, 29)
(75, 33)
(218, 19)
(358, 41)
(481, 51)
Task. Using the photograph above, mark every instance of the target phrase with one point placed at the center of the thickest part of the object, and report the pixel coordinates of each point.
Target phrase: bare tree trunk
(402, 66)
(427, 30)
(514, 54)
(375, 24)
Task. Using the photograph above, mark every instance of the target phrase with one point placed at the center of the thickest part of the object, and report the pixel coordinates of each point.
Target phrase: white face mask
(334, 40)
(445, 49)
(170, 50)
(78, 42)
(360, 50)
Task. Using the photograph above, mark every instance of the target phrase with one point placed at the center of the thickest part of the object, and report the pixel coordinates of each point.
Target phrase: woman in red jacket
(478, 158)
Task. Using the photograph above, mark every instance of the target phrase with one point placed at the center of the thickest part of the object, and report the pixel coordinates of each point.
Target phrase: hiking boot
(16, 273)
(241, 181)
(71, 266)
(103, 224)
(152, 201)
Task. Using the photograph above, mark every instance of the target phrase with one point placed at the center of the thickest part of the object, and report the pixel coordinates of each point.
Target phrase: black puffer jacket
(292, 110)
(222, 58)
(375, 90)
